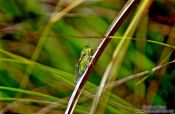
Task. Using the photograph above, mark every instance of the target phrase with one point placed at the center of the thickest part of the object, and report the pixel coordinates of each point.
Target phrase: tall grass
(40, 44)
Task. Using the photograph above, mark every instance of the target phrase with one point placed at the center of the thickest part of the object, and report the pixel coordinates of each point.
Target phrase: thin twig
(111, 31)
(123, 80)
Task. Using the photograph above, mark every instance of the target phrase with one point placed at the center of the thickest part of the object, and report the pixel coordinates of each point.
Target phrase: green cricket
(83, 62)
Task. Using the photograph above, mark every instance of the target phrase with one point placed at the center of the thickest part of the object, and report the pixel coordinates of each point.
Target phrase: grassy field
(41, 42)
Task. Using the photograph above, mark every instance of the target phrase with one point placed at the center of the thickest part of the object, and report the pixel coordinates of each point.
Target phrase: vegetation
(40, 46)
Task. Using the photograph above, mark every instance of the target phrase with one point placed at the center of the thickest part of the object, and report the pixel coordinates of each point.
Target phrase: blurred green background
(51, 76)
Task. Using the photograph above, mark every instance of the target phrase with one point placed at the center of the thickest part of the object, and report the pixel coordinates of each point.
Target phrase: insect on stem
(83, 62)
(110, 32)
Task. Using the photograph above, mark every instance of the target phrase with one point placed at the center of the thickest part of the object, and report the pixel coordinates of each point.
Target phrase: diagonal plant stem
(116, 83)
(117, 58)
(141, 74)
(111, 31)
(52, 70)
